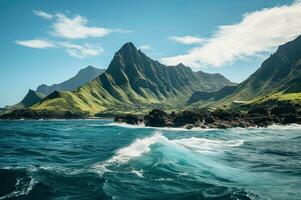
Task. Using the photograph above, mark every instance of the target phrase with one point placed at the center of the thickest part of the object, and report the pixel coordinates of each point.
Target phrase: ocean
(97, 159)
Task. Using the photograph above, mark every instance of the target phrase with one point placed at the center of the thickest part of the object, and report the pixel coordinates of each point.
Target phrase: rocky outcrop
(128, 119)
(42, 114)
(255, 117)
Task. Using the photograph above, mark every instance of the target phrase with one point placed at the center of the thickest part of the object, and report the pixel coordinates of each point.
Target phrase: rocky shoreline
(42, 114)
(256, 117)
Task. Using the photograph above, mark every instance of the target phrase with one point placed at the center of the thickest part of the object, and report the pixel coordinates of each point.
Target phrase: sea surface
(97, 159)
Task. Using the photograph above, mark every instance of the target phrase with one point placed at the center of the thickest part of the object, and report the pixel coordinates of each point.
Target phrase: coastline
(219, 119)
(198, 129)
(257, 116)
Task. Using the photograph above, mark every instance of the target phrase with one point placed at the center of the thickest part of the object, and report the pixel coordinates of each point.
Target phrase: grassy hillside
(29, 100)
(279, 74)
(133, 81)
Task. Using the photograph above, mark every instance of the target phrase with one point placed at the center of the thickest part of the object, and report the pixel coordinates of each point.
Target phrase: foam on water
(285, 127)
(274, 126)
(201, 145)
(136, 149)
(186, 164)
(139, 147)
(22, 186)
(124, 125)
(63, 170)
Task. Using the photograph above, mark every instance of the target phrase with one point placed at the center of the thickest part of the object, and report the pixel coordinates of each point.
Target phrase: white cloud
(43, 14)
(82, 51)
(76, 28)
(187, 39)
(39, 44)
(258, 32)
(75, 50)
(145, 47)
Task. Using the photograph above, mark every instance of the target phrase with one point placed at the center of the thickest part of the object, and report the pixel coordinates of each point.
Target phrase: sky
(49, 41)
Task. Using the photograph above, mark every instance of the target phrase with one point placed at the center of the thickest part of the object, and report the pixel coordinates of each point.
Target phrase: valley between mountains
(134, 83)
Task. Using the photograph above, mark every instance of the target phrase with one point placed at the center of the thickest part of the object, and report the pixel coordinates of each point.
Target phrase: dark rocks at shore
(256, 117)
(157, 118)
(42, 114)
(128, 119)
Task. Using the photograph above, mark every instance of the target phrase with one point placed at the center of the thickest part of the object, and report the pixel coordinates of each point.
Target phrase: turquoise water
(95, 159)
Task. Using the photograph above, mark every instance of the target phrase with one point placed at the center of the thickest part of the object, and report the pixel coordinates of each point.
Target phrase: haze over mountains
(83, 76)
(32, 97)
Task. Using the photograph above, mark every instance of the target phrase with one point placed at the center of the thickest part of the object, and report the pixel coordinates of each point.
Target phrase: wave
(203, 145)
(63, 170)
(285, 127)
(274, 126)
(23, 187)
(55, 169)
(125, 125)
(136, 149)
(139, 147)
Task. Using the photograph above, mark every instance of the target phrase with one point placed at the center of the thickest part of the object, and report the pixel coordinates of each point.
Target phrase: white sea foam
(285, 127)
(201, 145)
(21, 188)
(125, 125)
(136, 149)
(139, 147)
(139, 173)
(62, 170)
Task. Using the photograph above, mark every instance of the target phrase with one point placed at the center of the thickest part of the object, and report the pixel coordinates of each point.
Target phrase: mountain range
(83, 76)
(278, 77)
(32, 97)
(134, 80)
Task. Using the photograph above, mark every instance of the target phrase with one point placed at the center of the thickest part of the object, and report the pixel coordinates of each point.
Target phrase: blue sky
(49, 41)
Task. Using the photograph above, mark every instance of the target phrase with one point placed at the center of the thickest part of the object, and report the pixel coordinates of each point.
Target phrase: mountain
(32, 97)
(216, 95)
(134, 80)
(279, 74)
(83, 76)
(29, 100)
(214, 80)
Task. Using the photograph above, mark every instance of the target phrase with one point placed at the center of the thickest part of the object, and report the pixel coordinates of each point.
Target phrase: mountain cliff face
(83, 76)
(280, 73)
(29, 100)
(133, 79)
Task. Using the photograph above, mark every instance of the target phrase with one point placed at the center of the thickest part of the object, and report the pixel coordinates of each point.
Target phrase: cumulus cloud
(258, 32)
(36, 43)
(43, 14)
(70, 28)
(76, 28)
(75, 50)
(82, 51)
(187, 39)
(145, 47)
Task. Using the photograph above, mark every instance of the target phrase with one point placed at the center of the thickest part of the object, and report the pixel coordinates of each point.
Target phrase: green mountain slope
(134, 80)
(29, 100)
(280, 73)
(83, 76)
